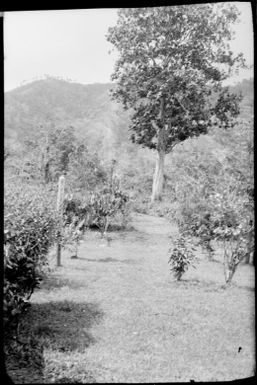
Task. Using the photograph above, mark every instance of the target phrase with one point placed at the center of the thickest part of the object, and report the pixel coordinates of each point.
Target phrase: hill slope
(95, 117)
(88, 108)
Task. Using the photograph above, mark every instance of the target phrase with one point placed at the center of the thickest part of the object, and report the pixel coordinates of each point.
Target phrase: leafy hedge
(29, 223)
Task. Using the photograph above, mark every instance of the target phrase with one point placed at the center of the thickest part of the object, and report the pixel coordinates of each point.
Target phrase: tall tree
(170, 61)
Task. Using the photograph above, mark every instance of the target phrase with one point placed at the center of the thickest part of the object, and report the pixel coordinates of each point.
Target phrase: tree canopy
(171, 59)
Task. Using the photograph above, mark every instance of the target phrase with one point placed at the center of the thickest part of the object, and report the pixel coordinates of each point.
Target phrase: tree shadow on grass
(245, 287)
(61, 327)
(211, 286)
(56, 282)
(207, 286)
(110, 259)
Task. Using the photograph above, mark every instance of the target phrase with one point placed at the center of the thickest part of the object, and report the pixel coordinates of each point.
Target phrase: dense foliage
(29, 231)
(84, 170)
(95, 210)
(54, 151)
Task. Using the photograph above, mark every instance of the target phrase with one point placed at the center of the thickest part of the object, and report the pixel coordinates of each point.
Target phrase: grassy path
(117, 315)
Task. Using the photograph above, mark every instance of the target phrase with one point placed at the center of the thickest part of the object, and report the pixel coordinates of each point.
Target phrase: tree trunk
(226, 267)
(250, 247)
(247, 258)
(46, 173)
(229, 267)
(158, 178)
(209, 249)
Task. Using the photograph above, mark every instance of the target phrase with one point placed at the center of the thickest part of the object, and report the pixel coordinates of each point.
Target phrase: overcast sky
(72, 44)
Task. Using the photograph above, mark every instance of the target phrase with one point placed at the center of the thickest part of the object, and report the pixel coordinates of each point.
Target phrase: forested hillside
(50, 104)
(87, 108)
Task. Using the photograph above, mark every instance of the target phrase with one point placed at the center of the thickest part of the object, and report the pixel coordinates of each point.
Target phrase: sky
(72, 44)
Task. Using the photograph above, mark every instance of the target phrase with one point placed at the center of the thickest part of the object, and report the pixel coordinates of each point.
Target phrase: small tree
(85, 171)
(72, 235)
(59, 212)
(181, 256)
(235, 245)
(104, 205)
(171, 60)
(47, 153)
(96, 209)
(76, 219)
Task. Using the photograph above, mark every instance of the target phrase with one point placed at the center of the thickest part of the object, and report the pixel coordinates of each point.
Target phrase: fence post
(59, 209)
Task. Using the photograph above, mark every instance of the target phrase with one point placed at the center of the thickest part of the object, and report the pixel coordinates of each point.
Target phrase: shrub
(104, 204)
(29, 223)
(181, 257)
(233, 228)
(95, 210)
(200, 225)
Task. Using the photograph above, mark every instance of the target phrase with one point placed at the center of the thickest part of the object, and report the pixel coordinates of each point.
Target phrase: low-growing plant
(181, 256)
(71, 237)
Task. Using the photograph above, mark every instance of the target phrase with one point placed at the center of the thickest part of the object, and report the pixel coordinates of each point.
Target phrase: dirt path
(152, 225)
(132, 322)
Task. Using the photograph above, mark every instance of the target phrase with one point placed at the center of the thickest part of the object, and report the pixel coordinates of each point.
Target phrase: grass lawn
(116, 314)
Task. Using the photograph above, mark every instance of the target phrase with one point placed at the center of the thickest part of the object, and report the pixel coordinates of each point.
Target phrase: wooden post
(59, 209)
